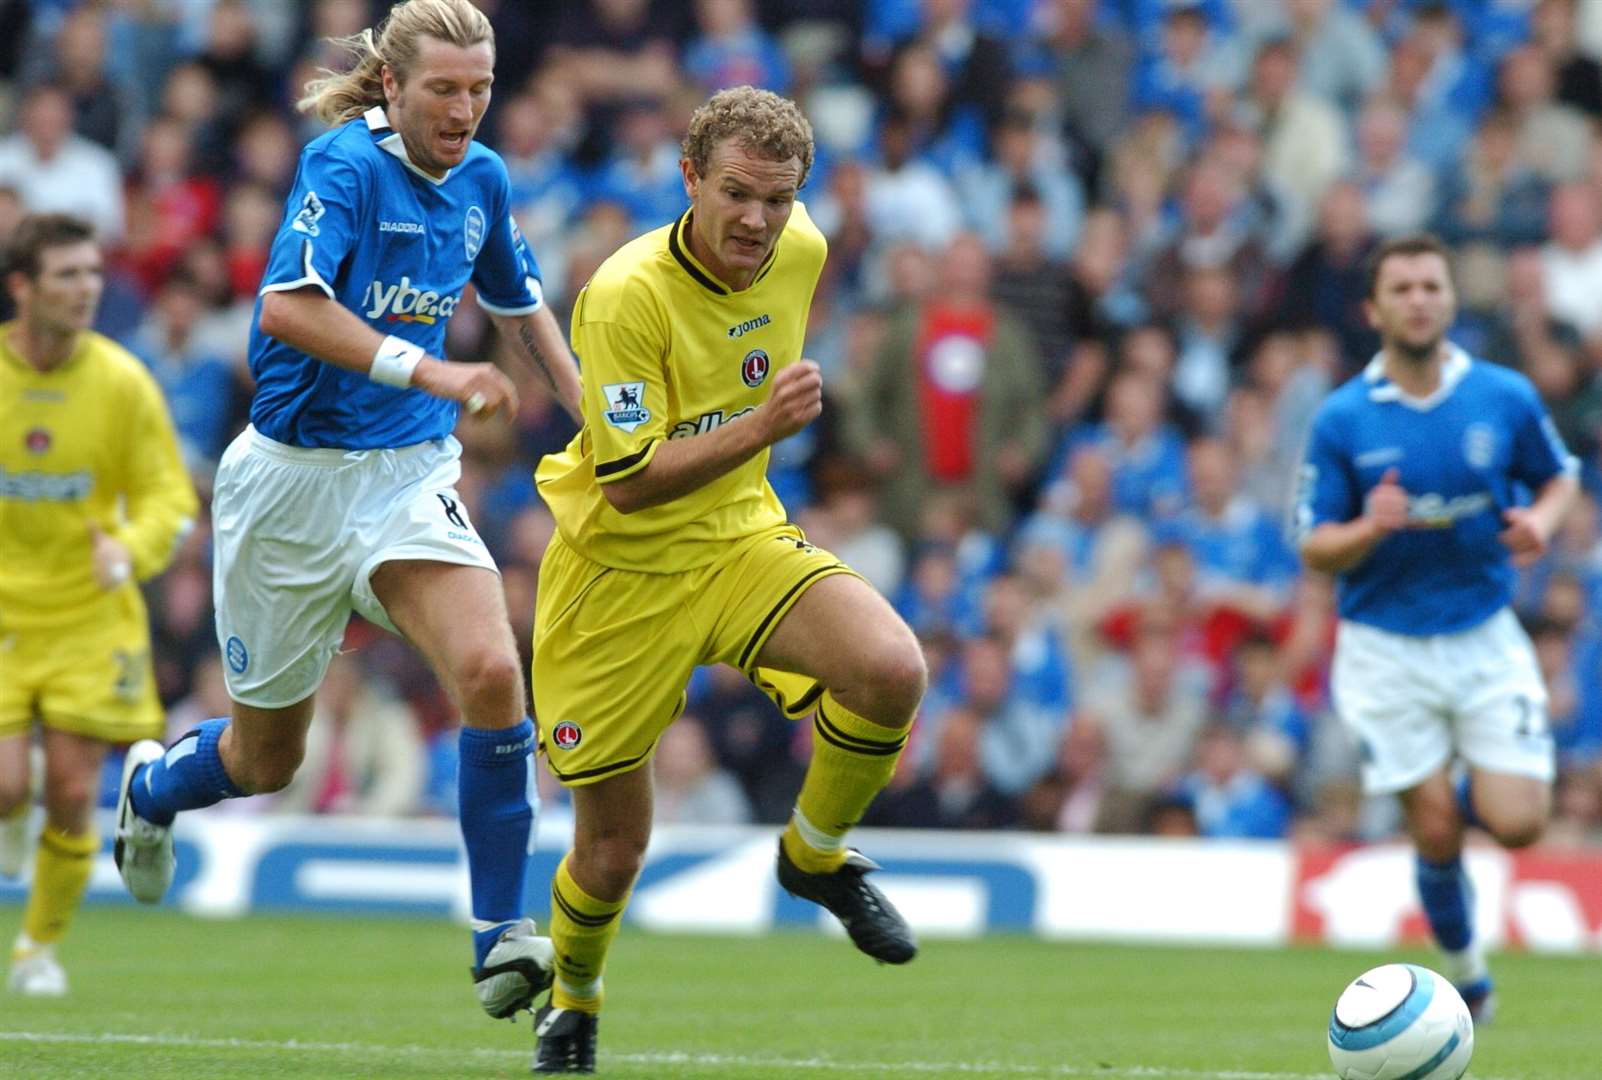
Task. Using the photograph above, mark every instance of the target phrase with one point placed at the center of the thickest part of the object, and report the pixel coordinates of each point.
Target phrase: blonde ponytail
(337, 96)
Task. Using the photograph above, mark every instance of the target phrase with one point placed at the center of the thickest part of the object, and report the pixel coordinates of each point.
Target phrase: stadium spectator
(57, 171)
(1552, 136)
(364, 751)
(690, 787)
(954, 398)
(732, 49)
(194, 379)
(1151, 707)
(1495, 195)
(1398, 189)
(1230, 799)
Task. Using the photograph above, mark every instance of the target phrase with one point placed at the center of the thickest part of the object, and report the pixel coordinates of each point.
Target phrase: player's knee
(902, 679)
(612, 864)
(491, 683)
(13, 793)
(1438, 837)
(1516, 829)
(69, 796)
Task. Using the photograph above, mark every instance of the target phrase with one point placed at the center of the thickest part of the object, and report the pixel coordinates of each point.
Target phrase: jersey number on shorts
(1532, 720)
(130, 674)
(453, 513)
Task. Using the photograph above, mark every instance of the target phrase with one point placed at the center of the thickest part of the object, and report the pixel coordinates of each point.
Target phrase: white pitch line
(733, 1061)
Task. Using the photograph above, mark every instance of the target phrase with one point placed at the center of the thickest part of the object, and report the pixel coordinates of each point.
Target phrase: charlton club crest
(754, 368)
(566, 735)
(37, 440)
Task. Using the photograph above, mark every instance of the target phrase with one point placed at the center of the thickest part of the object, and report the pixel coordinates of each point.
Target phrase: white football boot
(35, 971)
(143, 849)
(517, 969)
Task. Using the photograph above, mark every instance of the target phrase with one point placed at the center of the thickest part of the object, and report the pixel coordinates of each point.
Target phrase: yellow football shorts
(90, 677)
(613, 649)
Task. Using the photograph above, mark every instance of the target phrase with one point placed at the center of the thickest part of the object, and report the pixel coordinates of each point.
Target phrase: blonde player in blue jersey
(341, 495)
(1428, 477)
(672, 551)
(93, 500)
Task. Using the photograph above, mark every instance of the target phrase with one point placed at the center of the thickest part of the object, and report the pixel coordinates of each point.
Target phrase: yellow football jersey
(88, 441)
(669, 352)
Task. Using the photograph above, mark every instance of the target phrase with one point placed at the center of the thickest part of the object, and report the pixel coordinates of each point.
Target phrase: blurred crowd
(1094, 263)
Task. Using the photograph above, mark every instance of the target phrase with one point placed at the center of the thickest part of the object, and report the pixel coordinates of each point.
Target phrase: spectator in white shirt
(56, 171)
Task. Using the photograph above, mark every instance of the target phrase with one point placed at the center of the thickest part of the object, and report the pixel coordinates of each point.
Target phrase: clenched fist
(482, 388)
(796, 401)
(1386, 504)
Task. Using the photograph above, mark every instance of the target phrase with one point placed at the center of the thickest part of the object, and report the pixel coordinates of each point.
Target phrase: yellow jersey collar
(679, 248)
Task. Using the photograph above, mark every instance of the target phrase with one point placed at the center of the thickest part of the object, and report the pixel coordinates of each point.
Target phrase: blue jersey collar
(1453, 369)
(378, 124)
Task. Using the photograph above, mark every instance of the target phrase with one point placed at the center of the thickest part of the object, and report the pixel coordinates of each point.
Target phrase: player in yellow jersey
(673, 551)
(93, 500)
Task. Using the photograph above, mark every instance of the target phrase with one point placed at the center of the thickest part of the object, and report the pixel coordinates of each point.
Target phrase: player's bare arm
(681, 466)
(306, 319)
(1335, 547)
(537, 339)
(1529, 528)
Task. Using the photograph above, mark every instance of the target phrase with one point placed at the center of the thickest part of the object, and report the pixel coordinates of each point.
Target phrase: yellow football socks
(852, 759)
(60, 875)
(582, 928)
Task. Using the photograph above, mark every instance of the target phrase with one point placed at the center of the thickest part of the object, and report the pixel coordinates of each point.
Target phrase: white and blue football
(1400, 1022)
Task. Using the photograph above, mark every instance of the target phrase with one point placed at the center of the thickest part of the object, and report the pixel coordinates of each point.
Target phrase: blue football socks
(1447, 897)
(497, 802)
(190, 775)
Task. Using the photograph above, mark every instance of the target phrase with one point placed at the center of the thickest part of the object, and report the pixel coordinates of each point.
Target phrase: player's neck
(41, 348)
(1416, 376)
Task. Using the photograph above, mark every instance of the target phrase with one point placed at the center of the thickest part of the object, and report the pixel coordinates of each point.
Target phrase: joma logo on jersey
(749, 325)
(707, 421)
(406, 303)
(46, 487)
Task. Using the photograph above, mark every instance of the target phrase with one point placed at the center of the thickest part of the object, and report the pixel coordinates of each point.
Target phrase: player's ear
(1370, 315)
(18, 286)
(391, 83)
(692, 182)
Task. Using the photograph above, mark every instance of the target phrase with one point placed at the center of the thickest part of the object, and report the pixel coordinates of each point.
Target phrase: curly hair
(765, 124)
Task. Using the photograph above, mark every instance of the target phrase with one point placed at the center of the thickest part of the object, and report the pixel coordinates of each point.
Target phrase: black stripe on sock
(845, 739)
(574, 914)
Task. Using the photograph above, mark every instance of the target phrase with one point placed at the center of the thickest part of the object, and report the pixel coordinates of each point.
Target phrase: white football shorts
(298, 534)
(1413, 703)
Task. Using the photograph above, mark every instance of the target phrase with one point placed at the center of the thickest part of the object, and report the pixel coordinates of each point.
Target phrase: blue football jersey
(397, 247)
(1477, 446)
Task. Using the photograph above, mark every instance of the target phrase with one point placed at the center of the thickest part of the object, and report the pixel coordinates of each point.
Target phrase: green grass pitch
(157, 995)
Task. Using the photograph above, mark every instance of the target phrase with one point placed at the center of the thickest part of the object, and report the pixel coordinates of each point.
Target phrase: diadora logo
(625, 405)
(410, 228)
(708, 421)
(749, 325)
(46, 487)
(37, 440)
(754, 368)
(406, 303)
(567, 735)
(311, 212)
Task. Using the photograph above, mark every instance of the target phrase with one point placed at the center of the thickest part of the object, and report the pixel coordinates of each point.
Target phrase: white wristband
(395, 361)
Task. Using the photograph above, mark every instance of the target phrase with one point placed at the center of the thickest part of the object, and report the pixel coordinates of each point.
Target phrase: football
(1400, 1020)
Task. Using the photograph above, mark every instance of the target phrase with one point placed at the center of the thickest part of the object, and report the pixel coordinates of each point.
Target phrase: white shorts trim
(299, 532)
(1415, 703)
